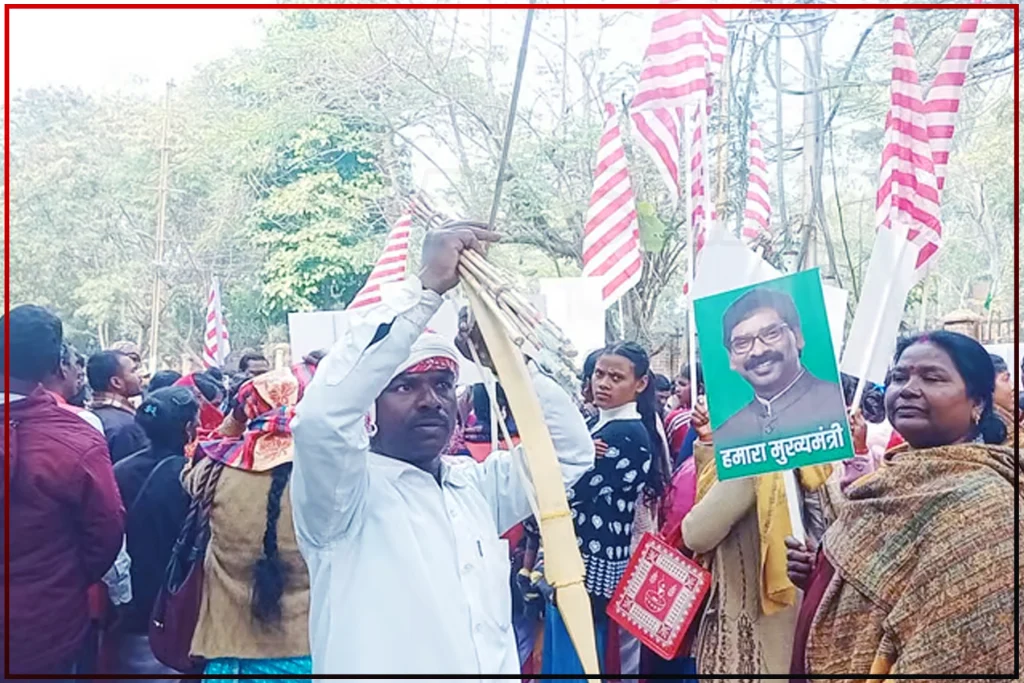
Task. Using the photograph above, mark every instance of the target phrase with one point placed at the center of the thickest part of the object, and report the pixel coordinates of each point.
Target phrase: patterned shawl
(924, 557)
(777, 591)
(268, 402)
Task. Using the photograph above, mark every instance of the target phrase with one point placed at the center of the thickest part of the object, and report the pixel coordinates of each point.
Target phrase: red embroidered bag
(659, 596)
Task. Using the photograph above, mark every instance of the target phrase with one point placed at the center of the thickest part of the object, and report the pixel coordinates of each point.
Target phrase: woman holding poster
(739, 527)
(775, 404)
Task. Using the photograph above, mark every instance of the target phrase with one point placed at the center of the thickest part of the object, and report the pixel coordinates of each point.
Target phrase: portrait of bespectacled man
(764, 339)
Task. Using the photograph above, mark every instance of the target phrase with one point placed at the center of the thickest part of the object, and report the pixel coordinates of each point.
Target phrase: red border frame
(476, 5)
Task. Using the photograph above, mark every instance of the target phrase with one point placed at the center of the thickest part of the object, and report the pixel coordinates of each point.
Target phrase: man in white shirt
(408, 574)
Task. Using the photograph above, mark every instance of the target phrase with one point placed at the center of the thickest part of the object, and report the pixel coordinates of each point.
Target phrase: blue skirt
(229, 669)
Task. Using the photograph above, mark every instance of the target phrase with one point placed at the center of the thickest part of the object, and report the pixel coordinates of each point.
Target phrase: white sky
(99, 50)
(102, 50)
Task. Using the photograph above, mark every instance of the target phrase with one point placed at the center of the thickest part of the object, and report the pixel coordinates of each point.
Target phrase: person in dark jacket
(156, 502)
(115, 381)
(65, 513)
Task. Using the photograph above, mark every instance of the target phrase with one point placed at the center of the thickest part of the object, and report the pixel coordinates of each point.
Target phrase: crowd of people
(365, 515)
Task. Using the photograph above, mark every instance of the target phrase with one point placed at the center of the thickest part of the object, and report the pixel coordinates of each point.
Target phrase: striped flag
(698, 173)
(943, 99)
(611, 236)
(390, 266)
(217, 344)
(758, 210)
(686, 50)
(659, 133)
(907, 216)
(908, 191)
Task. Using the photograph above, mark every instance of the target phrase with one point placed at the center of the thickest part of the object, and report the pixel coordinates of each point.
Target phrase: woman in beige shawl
(739, 527)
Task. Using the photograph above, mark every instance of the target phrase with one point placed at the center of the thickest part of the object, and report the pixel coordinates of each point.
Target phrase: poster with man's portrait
(773, 389)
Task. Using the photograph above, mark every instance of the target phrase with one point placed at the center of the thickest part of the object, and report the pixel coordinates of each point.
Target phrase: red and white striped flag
(217, 344)
(687, 48)
(698, 173)
(390, 266)
(611, 236)
(907, 216)
(908, 193)
(758, 210)
(659, 133)
(943, 99)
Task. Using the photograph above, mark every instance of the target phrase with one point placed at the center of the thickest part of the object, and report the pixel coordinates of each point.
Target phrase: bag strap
(130, 456)
(145, 483)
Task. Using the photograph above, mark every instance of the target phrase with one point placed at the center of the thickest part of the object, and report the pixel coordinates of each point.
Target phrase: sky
(99, 50)
(103, 50)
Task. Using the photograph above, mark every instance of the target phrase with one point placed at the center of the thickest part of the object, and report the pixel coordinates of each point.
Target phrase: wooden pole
(513, 105)
(161, 220)
(691, 333)
(723, 137)
(780, 143)
(812, 123)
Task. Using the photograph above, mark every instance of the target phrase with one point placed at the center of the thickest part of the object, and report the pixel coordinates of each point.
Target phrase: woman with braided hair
(254, 614)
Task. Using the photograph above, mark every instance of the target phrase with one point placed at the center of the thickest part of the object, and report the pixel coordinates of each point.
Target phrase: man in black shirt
(115, 381)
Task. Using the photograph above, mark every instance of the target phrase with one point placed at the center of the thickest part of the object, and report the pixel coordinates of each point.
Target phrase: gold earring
(975, 417)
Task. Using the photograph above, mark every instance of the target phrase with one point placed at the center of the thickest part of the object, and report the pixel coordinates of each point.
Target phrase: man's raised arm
(330, 475)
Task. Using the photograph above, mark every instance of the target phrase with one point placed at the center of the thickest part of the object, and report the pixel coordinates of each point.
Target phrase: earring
(975, 417)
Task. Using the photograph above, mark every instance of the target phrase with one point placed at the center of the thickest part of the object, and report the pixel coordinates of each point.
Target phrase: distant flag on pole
(698, 199)
(611, 235)
(390, 266)
(758, 211)
(217, 344)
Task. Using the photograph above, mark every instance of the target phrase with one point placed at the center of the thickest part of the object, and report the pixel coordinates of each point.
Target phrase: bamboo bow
(563, 565)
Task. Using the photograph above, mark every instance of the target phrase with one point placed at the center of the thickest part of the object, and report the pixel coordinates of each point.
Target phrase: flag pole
(513, 105)
(692, 247)
(876, 326)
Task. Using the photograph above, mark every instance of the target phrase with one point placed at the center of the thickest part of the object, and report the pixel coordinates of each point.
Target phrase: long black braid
(269, 573)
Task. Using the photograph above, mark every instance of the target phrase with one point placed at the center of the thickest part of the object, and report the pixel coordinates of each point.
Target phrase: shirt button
(467, 568)
(479, 628)
(453, 512)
